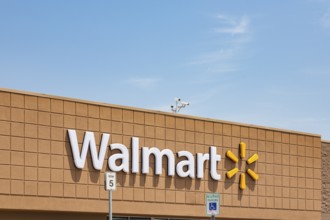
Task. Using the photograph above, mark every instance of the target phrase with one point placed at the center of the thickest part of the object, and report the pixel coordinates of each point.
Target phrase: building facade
(325, 180)
(39, 177)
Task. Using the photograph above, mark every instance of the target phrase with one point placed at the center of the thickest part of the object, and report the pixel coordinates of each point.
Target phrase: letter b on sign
(110, 181)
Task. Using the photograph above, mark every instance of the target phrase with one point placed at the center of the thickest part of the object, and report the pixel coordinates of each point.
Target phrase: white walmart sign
(184, 168)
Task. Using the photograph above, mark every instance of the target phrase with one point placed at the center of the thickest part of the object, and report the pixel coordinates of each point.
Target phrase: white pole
(110, 204)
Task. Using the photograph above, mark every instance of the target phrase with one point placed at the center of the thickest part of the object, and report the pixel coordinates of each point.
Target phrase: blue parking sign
(212, 206)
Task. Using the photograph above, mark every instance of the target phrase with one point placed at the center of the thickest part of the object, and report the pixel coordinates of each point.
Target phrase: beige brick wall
(37, 170)
(325, 180)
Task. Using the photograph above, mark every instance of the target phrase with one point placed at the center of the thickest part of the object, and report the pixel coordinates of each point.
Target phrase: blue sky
(258, 62)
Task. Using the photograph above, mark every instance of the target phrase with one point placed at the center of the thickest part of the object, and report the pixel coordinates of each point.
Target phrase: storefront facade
(40, 177)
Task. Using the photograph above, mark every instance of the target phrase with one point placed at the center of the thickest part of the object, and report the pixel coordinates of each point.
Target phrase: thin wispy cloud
(224, 59)
(143, 83)
(216, 56)
(217, 62)
(325, 19)
(233, 25)
(319, 1)
(315, 72)
(284, 92)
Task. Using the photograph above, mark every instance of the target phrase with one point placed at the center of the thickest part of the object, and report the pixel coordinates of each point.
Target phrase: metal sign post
(110, 204)
(110, 185)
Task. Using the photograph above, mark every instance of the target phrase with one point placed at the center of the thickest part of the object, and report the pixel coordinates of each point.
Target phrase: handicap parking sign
(212, 204)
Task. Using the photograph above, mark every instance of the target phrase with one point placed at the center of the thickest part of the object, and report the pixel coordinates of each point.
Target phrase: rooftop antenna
(178, 105)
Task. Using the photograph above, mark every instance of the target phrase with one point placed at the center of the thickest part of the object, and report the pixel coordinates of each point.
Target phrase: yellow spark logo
(252, 159)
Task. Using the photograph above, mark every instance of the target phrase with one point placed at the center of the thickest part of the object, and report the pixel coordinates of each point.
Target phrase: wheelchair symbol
(212, 206)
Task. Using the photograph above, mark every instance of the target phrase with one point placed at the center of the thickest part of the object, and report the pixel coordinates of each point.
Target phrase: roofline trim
(155, 111)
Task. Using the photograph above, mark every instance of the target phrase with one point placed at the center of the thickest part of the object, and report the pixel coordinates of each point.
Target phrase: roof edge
(155, 111)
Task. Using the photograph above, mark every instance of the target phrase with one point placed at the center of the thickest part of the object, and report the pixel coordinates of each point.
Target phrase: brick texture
(325, 180)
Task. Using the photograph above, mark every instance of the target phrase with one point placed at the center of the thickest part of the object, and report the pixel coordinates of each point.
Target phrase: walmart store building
(165, 164)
